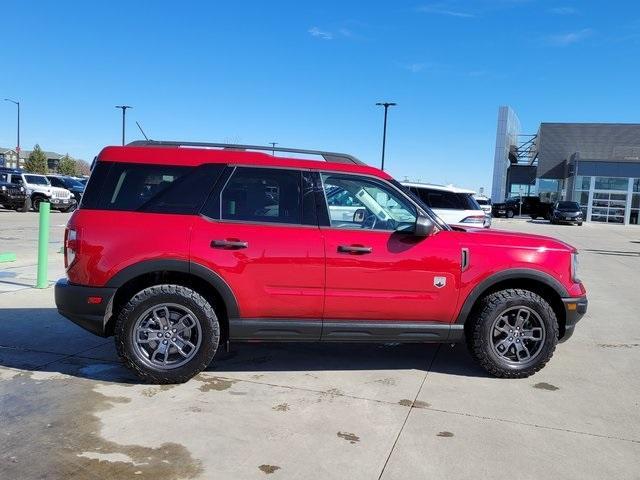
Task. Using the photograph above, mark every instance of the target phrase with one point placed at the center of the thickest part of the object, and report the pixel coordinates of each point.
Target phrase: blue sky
(307, 74)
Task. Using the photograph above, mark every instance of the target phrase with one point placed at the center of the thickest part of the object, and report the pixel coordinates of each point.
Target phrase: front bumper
(72, 302)
(62, 204)
(574, 309)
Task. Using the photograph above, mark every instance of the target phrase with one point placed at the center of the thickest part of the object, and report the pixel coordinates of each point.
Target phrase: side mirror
(424, 226)
(358, 215)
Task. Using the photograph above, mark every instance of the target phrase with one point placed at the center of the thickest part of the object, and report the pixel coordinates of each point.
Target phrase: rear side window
(446, 200)
(149, 188)
(264, 195)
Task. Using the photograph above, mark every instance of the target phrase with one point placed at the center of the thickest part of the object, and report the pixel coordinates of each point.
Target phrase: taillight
(473, 219)
(70, 247)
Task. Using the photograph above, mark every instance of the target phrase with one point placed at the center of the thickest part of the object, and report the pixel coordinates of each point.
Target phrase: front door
(376, 268)
(260, 234)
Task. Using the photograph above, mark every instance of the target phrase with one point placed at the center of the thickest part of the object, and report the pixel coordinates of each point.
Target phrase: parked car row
(17, 187)
(557, 212)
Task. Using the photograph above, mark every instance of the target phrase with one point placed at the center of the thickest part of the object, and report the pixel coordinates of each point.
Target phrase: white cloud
(324, 35)
(569, 38)
(414, 67)
(563, 11)
(444, 9)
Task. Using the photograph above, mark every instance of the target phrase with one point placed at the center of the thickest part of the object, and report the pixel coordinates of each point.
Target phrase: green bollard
(43, 246)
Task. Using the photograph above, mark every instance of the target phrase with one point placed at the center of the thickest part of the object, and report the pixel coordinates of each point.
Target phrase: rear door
(376, 268)
(259, 232)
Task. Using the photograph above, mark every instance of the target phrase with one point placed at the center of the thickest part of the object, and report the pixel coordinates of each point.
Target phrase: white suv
(484, 202)
(456, 206)
(39, 190)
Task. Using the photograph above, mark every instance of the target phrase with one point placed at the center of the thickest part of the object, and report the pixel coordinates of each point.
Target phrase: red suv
(180, 247)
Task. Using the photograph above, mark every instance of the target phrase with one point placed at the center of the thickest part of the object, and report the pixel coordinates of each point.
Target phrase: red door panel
(279, 274)
(396, 280)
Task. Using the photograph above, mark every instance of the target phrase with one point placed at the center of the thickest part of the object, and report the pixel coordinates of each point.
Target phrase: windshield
(568, 206)
(36, 179)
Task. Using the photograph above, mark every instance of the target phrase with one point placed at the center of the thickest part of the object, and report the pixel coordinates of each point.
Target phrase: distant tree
(83, 168)
(37, 161)
(67, 166)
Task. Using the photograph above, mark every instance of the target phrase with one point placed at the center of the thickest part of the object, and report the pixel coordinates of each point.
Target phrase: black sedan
(566, 212)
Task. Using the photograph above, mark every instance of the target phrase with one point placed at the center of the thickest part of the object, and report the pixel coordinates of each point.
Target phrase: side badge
(439, 282)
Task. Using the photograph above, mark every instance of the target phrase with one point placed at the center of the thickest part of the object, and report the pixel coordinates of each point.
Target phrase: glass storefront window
(635, 200)
(612, 183)
(636, 185)
(633, 218)
(583, 183)
(582, 198)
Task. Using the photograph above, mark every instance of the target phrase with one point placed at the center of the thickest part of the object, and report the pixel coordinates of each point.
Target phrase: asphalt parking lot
(69, 409)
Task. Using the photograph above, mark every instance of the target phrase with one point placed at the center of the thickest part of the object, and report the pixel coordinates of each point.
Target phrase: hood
(503, 238)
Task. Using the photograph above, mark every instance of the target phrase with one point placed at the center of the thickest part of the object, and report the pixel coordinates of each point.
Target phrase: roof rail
(327, 156)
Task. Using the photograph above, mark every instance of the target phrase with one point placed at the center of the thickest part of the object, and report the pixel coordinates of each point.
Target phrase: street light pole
(273, 148)
(18, 146)
(124, 110)
(386, 106)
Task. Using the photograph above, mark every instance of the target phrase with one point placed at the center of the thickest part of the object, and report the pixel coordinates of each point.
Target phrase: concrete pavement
(69, 409)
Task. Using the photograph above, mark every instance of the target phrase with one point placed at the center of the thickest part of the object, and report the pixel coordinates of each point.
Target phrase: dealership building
(594, 164)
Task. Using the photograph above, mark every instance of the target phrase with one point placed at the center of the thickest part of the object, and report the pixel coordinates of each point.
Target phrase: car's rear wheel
(167, 333)
(509, 213)
(513, 334)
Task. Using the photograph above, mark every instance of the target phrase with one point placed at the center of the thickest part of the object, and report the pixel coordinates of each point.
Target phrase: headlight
(473, 219)
(574, 268)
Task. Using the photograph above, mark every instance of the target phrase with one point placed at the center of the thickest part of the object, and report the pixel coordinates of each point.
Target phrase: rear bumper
(72, 303)
(574, 309)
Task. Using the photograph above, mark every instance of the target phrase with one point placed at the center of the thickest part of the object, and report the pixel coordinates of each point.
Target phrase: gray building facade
(594, 164)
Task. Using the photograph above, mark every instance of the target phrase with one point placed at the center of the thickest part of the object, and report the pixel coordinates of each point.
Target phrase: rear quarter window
(446, 200)
(149, 188)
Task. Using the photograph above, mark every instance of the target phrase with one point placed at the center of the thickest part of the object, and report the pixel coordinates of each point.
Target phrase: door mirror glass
(358, 215)
(424, 226)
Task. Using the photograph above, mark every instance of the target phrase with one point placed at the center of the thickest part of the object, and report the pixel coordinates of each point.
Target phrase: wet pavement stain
(546, 386)
(214, 383)
(51, 429)
(268, 469)
(390, 382)
(350, 437)
(445, 434)
(334, 391)
(153, 391)
(283, 407)
(618, 345)
(417, 404)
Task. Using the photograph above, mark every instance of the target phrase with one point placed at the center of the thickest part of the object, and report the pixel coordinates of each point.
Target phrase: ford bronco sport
(179, 248)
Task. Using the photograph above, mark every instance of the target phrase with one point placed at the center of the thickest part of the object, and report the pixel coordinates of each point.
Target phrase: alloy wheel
(166, 336)
(517, 335)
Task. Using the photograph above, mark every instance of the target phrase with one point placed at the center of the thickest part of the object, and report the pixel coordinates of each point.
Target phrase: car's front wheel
(167, 333)
(509, 213)
(513, 334)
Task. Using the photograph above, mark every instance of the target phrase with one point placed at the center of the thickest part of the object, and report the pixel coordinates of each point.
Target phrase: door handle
(229, 244)
(360, 250)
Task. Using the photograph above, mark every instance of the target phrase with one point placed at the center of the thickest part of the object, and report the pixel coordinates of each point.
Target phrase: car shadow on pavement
(40, 339)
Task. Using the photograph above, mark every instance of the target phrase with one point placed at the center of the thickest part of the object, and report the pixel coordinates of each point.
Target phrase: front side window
(36, 179)
(366, 204)
(262, 195)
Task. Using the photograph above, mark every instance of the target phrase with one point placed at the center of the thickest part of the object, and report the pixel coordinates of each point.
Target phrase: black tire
(579, 224)
(171, 294)
(35, 203)
(69, 209)
(480, 333)
(509, 213)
